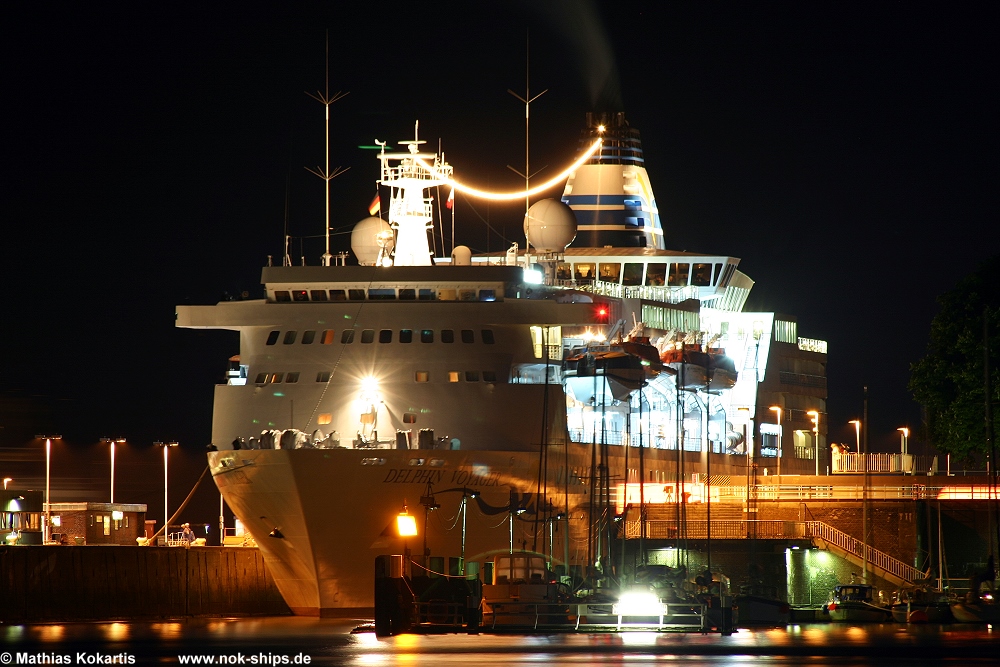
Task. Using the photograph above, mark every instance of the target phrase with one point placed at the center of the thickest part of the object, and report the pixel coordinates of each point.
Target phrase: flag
(451, 199)
(375, 208)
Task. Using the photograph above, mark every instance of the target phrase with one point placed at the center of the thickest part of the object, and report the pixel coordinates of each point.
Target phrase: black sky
(846, 152)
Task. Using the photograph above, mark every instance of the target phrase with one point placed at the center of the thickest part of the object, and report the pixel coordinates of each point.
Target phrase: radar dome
(461, 256)
(549, 226)
(368, 237)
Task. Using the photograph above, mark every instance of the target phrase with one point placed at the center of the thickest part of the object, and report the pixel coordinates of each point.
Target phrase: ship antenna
(527, 99)
(325, 173)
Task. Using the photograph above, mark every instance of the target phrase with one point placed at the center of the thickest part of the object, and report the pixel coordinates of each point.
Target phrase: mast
(527, 99)
(864, 495)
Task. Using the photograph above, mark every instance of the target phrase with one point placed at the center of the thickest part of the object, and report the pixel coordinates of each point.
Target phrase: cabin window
(274, 378)
(426, 295)
(385, 336)
(489, 376)
(289, 338)
(338, 295)
(610, 273)
(382, 294)
(422, 376)
(324, 418)
(327, 338)
(468, 336)
(454, 376)
(487, 295)
(472, 376)
(300, 295)
(347, 336)
(447, 336)
(367, 336)
(407, 294)
(282, 295)
(583, 272)
(292, 377)
(272, 338)
(487, 335)
(701, 275)
(715, 277)
(356, 294)
(679, 275)
(261, 378)
(563, 272)
(406, 336)
(656, 274)
(632, 274)
(318, 294)
(447, 294)
(323, 376)
(409, 418)
(426, 336)
(308, 337)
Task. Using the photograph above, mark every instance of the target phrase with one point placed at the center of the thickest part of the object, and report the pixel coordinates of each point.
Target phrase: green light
(256, 421)
(347, 317)
(425, 411)
(279, 393)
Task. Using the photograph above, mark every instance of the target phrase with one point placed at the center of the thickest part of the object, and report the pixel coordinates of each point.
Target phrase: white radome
(365, 240)
(549, 226)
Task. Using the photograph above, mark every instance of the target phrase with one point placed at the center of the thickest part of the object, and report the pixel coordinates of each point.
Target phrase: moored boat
(854, 603)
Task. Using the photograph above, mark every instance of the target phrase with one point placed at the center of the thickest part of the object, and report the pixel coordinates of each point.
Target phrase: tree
(950, 381)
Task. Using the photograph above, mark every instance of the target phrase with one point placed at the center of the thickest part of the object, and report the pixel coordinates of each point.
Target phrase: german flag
(375, 208)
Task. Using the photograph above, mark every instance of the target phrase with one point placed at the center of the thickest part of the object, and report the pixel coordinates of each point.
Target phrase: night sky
(846, 152)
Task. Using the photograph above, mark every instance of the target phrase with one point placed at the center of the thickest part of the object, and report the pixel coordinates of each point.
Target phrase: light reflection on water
(329, 641)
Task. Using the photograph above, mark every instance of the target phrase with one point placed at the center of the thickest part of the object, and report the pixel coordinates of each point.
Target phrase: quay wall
(90, 583)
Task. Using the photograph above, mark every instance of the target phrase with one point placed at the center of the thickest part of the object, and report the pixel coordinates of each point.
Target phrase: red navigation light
(601, 313)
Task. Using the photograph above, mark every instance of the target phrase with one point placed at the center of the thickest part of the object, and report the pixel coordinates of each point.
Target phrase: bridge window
(656, 273)
(584, 272)
(701, 275)
(632, 275)
(715, 276)
(563, 272)
(610, 273)
(679, 275)
(272, 338)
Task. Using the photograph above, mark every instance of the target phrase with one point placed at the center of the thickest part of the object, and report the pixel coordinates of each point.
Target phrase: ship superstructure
(536, 395)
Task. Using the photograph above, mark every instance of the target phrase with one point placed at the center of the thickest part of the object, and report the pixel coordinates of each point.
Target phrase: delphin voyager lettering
(464, 477)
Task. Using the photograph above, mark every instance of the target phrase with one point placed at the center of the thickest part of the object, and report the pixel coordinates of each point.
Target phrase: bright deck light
(638, 604)
(406, 524)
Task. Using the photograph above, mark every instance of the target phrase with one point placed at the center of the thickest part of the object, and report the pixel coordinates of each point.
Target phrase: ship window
(426, 336)
(715, 277)
(275, 377)
(356, 294)
(324, 418)
(292, 377)
(416, 462)
(422, 376)
(347, 336)
(447, 336)
(300, 295)
(282, 295)
(454, 376)
(656, 273)
(472, 376)
(272, 337)
(406, 336)
(447, 294)
(610, 273)
(385, 336)
(583, 272)
(678, 275)
(308, 337)
(632, 275)
(427, 295)
(466, 295)
(318, 294)
(488, 336)
(563, 272)
(468, 336)
(338, 295)
(289, 338)
(327, 338)
(382, 294)
(367, 336)
(409, 417)
(407, 294)
(701, 275)
(487, 295)
(489, 376)
(261, 378)
(323, 376)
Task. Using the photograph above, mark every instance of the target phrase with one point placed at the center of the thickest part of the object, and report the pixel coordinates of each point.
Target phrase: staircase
(882, 564)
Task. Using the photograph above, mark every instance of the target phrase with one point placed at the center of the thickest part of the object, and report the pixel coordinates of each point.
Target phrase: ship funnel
(549, 226)
(370, 236)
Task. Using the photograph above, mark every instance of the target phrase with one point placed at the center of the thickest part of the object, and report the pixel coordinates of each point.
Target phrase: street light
(166, 517)
(857, 432)
(904, 437)
(46, 534)
(815, 420)
(112, 442)
(777, 409)
(6, 481)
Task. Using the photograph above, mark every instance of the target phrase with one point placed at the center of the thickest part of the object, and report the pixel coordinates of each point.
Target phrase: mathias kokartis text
(79, 658)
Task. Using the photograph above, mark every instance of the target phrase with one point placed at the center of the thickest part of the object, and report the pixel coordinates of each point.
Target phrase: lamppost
(857, 432)
(815, 420)
(113, 442)
(777, 410)
(6, 481)
(166, 516)
(47, 532)
(904, 436)
(864, 502)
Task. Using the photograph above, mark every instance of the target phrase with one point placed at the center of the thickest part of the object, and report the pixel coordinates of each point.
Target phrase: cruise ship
(526, 400)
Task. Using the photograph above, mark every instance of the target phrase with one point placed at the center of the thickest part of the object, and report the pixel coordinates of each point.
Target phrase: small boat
(921, 605)
(853, 603)
(976, 610)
